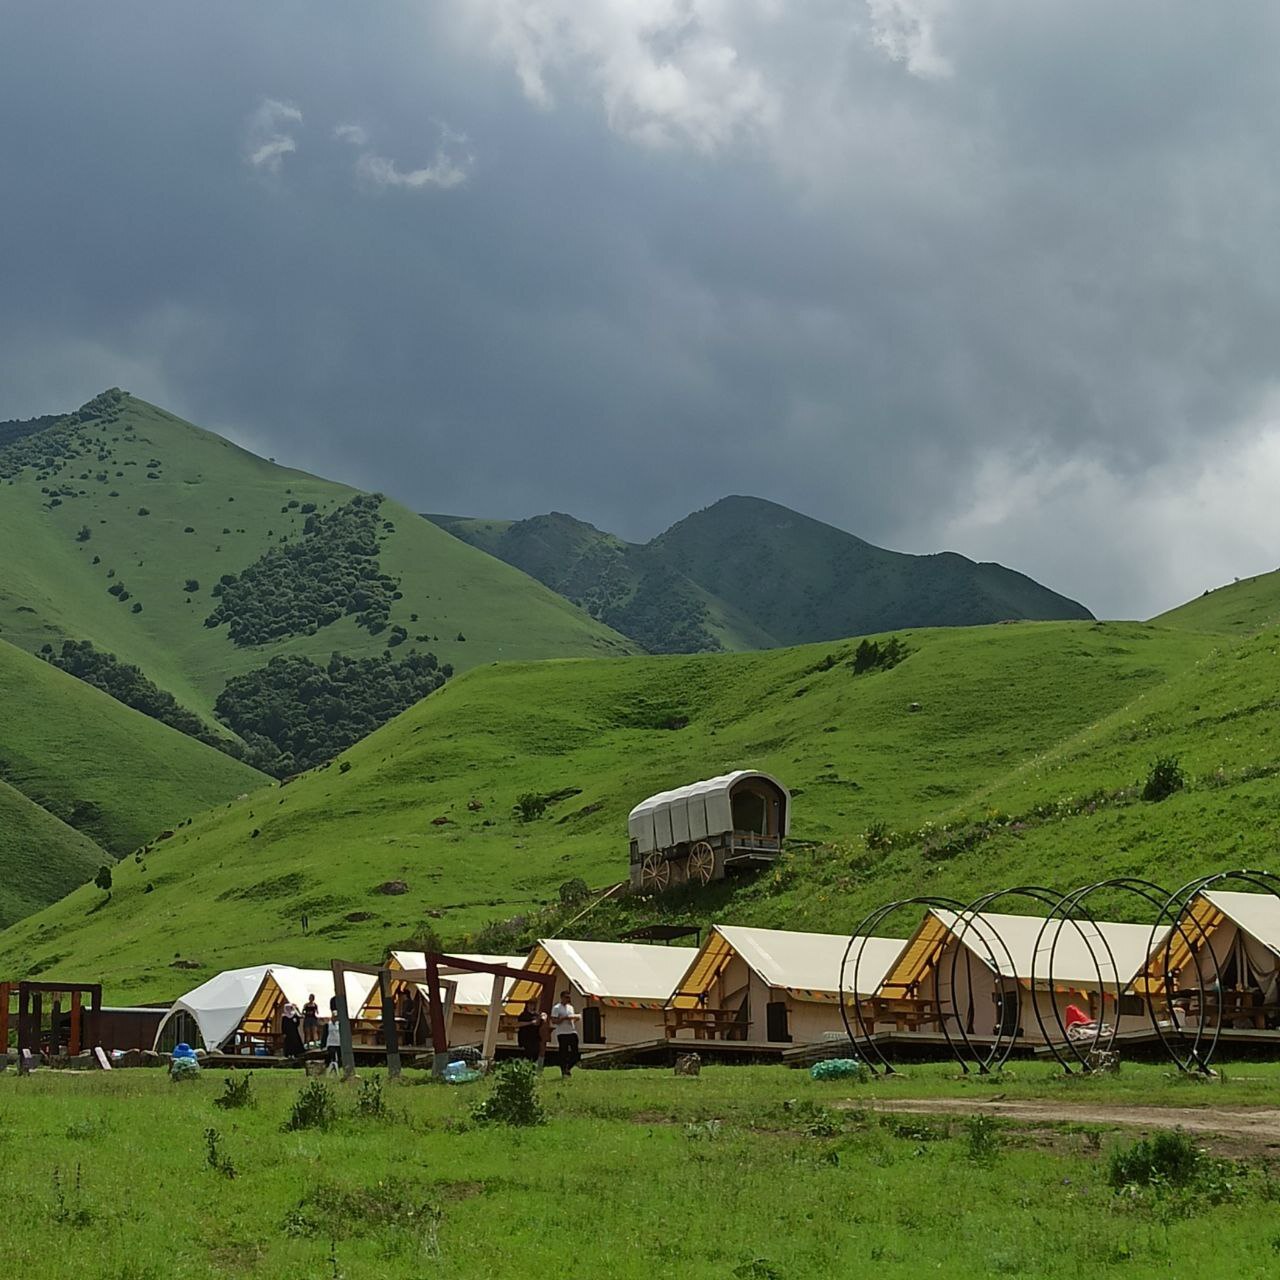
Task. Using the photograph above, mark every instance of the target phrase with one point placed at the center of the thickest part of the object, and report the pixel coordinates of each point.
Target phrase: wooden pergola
(434, 977)
(84, 1004)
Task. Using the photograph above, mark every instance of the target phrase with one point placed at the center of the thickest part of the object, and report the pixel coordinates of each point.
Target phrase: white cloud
(450, 168)
(270, 138)
(903, 30)
(665, 71)
(355, 134)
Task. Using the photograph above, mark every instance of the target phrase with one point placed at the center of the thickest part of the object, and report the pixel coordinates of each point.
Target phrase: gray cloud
(987, 275)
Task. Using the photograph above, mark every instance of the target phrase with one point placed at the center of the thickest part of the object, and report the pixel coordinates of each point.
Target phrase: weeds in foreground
(69, 1208)
(404, 1213)
(370, 1104)
(313, 1108)
(214, 1156)
(513, 1099)
(983, 1140)
(237, 1092)
(1168, 1158)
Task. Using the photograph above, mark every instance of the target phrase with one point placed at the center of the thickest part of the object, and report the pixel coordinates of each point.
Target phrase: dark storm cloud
(995, 276)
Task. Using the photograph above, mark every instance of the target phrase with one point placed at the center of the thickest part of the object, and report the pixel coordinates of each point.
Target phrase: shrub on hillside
(1165, 778)
(1168, 1158)
(530, 805)
(313, 1108)
(872, 655)
(298, 714)
(331, 571)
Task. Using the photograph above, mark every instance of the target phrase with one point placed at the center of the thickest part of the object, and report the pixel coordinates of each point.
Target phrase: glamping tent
(619, 988)
(472, 994)
(771, 985)
(695, 833)
(1242, 931)
(240, 1009)
(918, 989)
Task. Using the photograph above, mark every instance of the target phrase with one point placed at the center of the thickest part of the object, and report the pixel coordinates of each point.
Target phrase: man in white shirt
(564, 1022)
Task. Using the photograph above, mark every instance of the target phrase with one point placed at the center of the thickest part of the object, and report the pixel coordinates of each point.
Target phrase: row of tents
(778, 987)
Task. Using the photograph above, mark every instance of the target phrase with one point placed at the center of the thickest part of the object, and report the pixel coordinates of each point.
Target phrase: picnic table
(1232, 1006)
(705, 1023)
(907, 1013)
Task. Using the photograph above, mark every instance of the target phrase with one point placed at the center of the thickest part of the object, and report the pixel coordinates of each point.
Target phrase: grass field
(213, 509)
(1051, 710)
(745, 1173)
(1246, 606)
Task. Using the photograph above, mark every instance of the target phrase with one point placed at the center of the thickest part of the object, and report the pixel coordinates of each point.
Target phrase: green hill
(1242, 607)
(1022, 761)
(41, 859)
(117, 776)
(749, 574)
(124, 495)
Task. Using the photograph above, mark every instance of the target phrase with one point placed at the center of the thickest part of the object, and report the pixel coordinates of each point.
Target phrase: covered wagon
(695, 834)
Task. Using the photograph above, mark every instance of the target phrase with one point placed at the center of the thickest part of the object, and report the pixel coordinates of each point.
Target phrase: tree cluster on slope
(308, 713)
(48, 447)
(331, 571)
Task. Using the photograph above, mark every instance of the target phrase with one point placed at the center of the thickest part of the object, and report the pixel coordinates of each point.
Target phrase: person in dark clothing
(333, 1039)
(291, 1023)
(311, 1021)
(529, 1034)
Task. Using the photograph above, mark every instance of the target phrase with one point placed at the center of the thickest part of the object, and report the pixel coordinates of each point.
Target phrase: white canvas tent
(1242, 930)
(620, 987)
(224, 1004)
(773, 984)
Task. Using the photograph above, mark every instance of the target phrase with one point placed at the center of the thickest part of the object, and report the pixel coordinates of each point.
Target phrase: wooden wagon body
(699, 833)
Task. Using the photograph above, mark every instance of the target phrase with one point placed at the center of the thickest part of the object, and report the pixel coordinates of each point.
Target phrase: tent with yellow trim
(618, 988)
(775, 985)
(963, 961)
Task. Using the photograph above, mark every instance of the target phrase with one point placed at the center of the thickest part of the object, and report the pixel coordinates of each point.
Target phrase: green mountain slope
(115, 775)
(749, 574)
(1009, 718)
(124, 495)
(1243, 607)
(41, 859)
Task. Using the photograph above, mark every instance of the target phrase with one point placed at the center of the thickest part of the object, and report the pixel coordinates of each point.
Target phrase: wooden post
(73, 1038)
(5, 989)
(490, 1043)
(389, 1033)
(439, 1034)
(94, 1030)
(346, 1051)
(55, 1025)
(37, 1020)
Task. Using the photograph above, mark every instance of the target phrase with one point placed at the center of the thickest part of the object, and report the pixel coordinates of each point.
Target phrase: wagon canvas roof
(618, 973)
(1014, 938)
(695, 811)
(805, 965)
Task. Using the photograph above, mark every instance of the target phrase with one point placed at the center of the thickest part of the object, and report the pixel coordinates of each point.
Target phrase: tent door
(592, 1025)
(775, 1020)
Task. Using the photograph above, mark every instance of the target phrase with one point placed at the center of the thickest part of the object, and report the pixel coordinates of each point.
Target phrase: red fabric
(1076, 1016)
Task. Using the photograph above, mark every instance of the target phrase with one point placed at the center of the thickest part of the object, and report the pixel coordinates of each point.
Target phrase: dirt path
(1255, 1126)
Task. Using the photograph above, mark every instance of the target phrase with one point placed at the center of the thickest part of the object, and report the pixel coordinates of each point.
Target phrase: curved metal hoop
(863, 1039)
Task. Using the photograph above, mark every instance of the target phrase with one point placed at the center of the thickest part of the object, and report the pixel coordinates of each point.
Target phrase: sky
(993, 277)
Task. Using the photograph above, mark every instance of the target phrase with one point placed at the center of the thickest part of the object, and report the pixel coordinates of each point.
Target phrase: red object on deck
(1076, 1016)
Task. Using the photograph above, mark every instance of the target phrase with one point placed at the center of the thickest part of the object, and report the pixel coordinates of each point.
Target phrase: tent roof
(805, 965)
(218, 1005)
(1258, 914)
(627, 973)
(297, 984)
(472, 990)
(1074, 945)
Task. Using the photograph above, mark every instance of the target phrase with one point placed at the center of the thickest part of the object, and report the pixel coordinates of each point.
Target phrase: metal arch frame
(1069, 906)
(862, 933)
(1199, 1058)
(999, 1052)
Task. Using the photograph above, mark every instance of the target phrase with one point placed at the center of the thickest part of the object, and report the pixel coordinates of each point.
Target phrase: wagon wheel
(655, 872)
(702, 863)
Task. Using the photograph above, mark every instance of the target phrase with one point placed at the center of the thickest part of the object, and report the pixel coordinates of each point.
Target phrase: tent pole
(389, 1035)
(489, 1047)
(346, 1051)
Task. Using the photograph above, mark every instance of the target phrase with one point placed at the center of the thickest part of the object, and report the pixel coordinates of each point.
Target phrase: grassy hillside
(41, 859)
(117, 776)
(1012, 720)
(698, 587)
(1244, 607)
(130, 496)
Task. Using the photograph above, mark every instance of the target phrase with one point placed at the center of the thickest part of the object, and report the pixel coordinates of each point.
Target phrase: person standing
(311, 1021)
(565, 1019)
(333, 1039)
(529, 1027)
(291, 1021)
